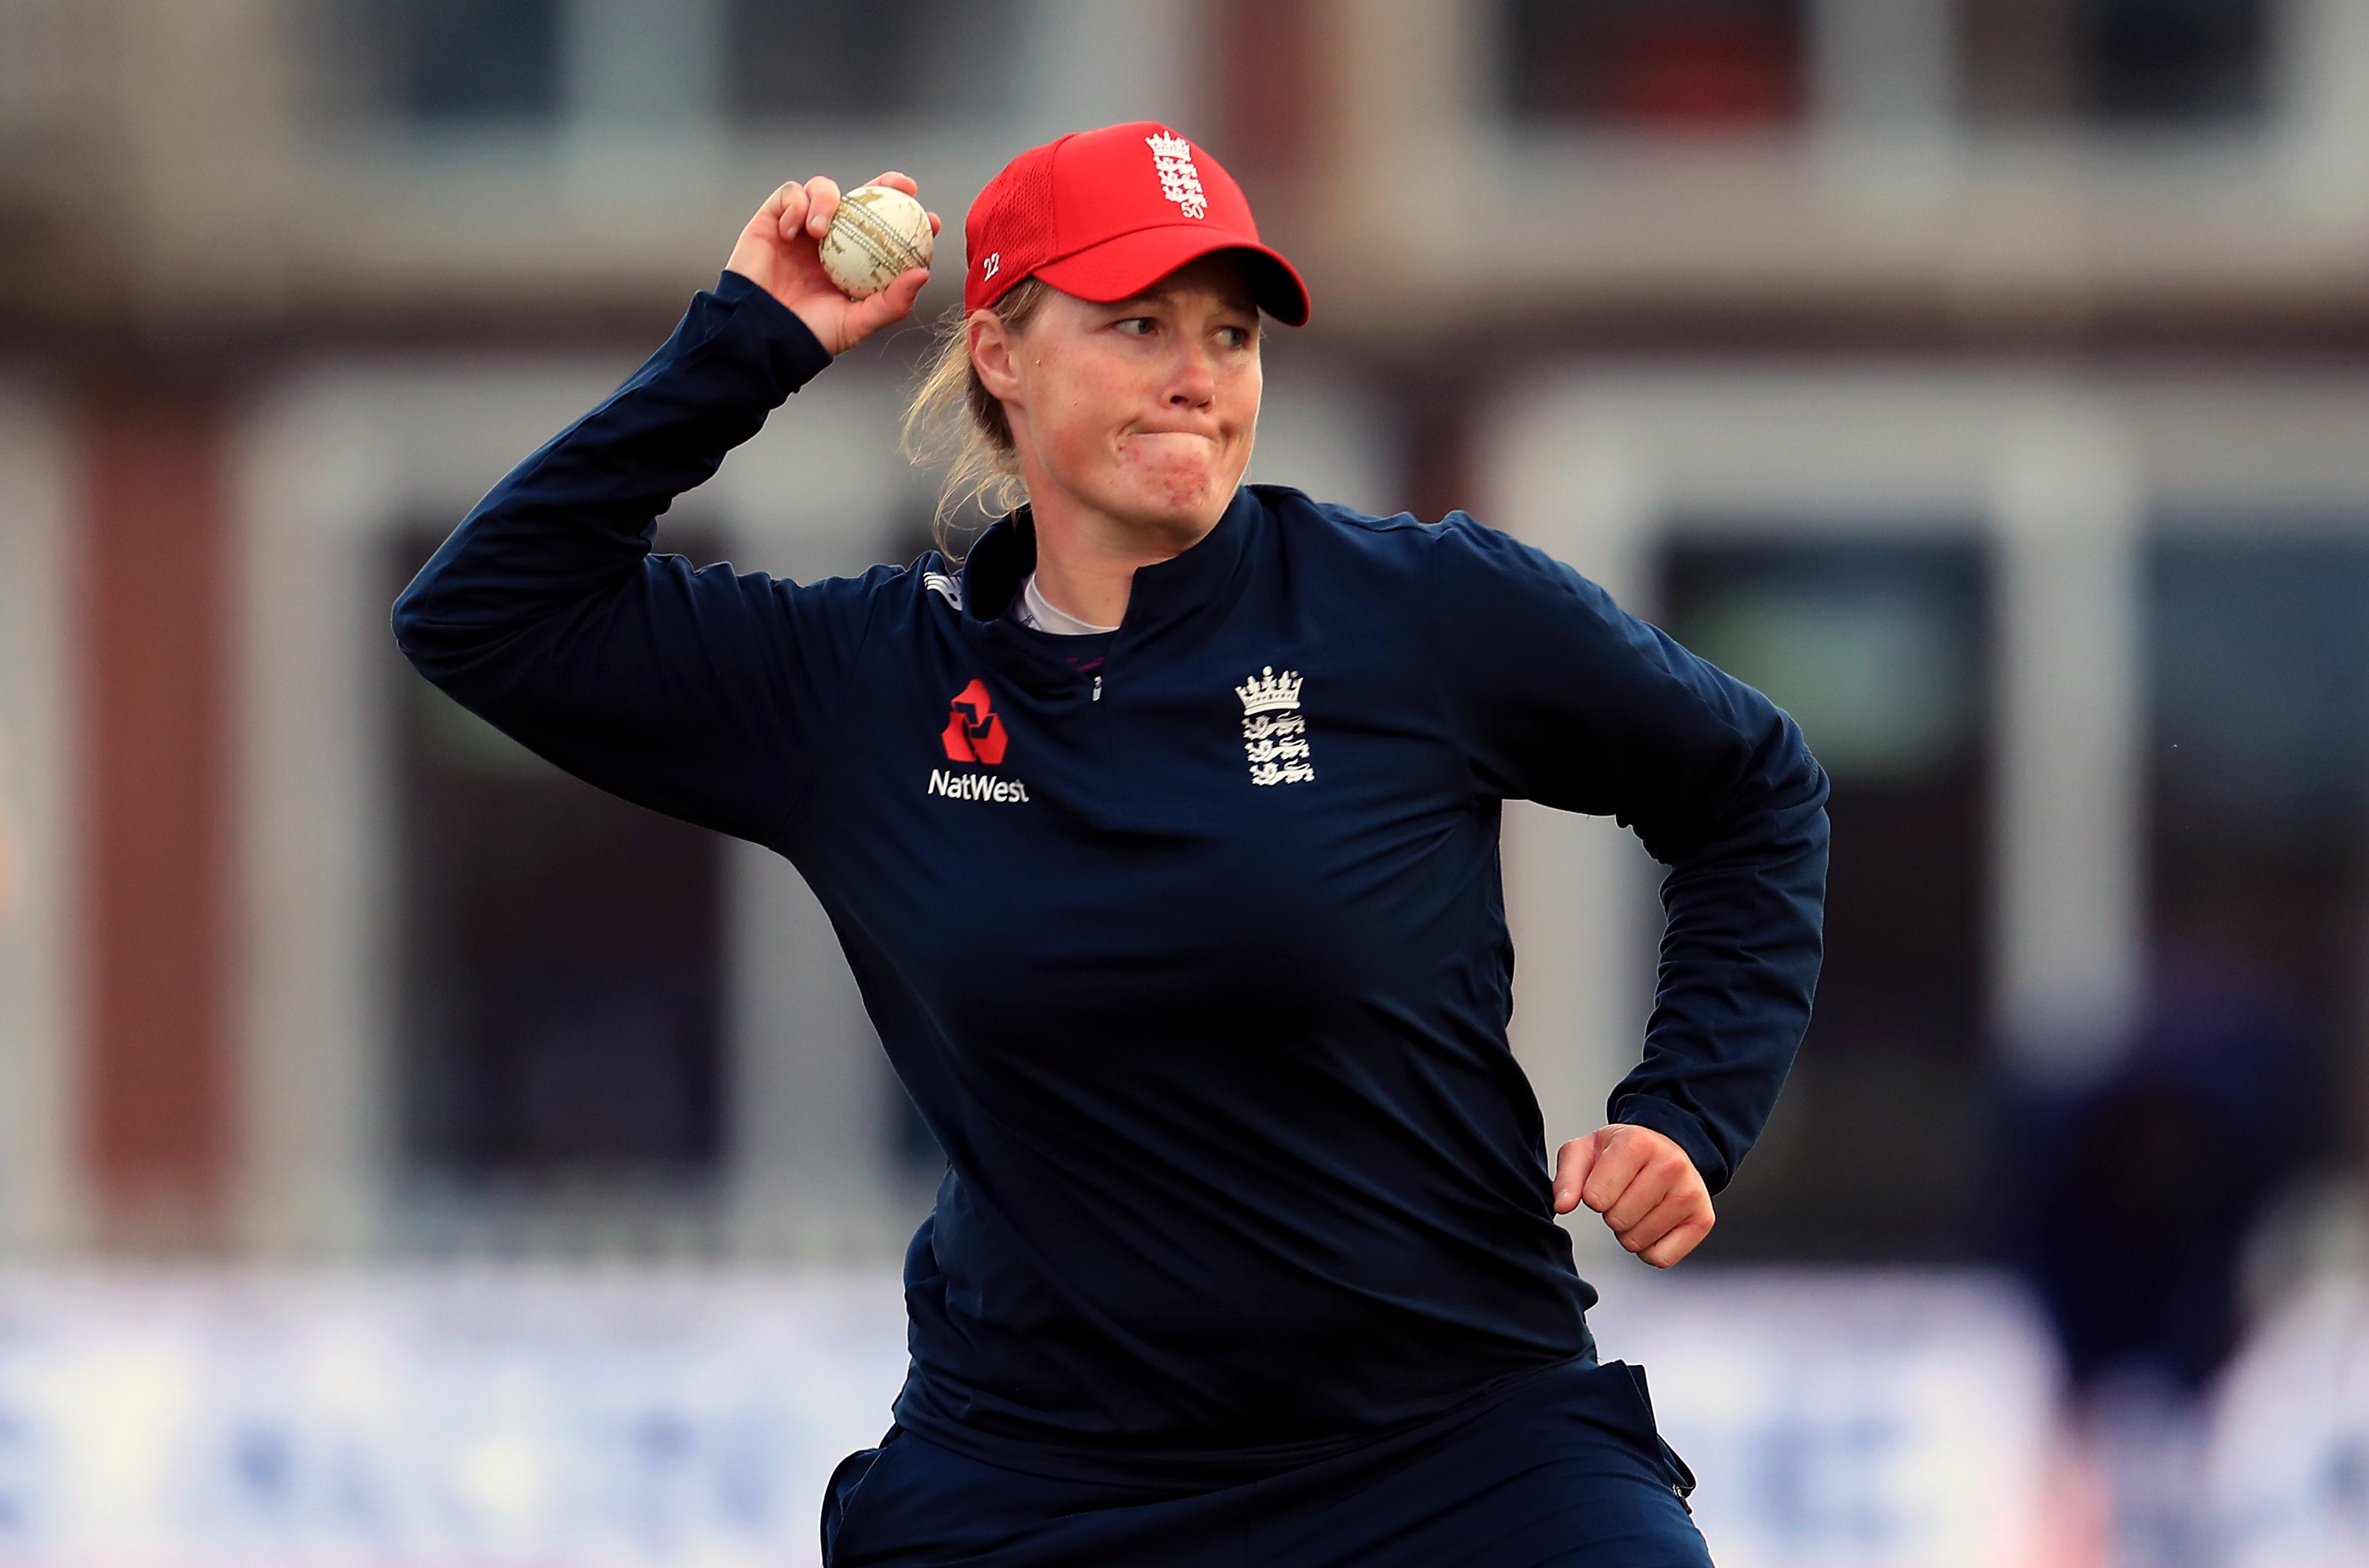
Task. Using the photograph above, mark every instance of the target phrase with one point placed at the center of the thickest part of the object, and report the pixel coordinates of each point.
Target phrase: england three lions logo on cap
(1275, 732)
(1171, 159)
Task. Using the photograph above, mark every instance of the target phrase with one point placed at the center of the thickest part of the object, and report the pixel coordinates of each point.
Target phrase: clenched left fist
(1644, 1185)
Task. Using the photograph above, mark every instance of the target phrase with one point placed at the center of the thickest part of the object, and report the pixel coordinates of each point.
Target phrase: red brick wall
(155, 1078)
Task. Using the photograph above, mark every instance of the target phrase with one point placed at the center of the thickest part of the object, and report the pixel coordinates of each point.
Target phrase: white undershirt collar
(1034, 609)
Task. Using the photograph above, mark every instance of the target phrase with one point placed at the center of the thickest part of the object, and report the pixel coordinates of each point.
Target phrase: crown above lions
(1267, 693)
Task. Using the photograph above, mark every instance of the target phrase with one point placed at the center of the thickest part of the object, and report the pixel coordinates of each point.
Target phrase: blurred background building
(1981, 378)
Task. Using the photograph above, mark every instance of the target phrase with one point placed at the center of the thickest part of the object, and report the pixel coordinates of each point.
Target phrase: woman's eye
(1137, 326)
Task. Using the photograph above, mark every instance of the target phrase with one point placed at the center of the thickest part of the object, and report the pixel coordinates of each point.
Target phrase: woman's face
(1142, 411)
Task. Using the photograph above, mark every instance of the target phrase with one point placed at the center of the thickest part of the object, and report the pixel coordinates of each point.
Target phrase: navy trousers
(1567, 1468)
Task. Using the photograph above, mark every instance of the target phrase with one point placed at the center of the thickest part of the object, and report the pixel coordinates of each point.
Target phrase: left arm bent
(1568, 700)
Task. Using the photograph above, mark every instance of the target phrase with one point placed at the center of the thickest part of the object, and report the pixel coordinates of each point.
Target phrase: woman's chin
(1175, 501)
(1187, 515)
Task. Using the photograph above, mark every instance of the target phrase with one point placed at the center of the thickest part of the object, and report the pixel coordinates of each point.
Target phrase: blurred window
(2143, 62)
(2258, 661)
(2259, 775)
(466, 60)
(1876, 650)
(561, 962)
(1671, 63)
(816, 58)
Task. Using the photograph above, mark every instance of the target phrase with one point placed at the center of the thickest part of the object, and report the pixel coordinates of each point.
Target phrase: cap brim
(1129, 264)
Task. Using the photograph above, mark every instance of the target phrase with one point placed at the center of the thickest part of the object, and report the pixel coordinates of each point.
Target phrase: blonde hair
(953, 419)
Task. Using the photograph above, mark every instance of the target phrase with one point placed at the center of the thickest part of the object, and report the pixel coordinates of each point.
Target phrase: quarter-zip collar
(1165, 594)
(1194, 579)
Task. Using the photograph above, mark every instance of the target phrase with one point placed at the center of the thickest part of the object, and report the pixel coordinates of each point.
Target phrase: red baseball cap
(1104, 214)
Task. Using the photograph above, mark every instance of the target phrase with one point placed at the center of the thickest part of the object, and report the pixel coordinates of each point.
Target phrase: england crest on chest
(1275, 732)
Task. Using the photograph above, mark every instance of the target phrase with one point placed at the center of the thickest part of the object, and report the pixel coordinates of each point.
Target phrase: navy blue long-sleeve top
(1188, 941)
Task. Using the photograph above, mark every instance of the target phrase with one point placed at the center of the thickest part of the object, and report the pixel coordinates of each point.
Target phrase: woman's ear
(991, 354)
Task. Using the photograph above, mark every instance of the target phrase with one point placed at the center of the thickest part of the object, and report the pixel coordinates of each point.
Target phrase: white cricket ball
(877, 234)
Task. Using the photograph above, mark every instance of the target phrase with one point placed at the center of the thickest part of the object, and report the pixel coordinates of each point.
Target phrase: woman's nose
(1192, 382)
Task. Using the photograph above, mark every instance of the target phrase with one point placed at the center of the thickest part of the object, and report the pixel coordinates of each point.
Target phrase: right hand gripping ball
(877, 234)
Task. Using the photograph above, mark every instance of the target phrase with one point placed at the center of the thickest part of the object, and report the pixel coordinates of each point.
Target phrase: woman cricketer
(1161, 835)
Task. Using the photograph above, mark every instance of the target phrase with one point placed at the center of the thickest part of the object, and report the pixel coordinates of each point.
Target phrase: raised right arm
(548, 614)
(703, 694)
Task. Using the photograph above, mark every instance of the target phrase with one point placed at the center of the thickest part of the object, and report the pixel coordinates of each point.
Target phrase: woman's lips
(1163, 439)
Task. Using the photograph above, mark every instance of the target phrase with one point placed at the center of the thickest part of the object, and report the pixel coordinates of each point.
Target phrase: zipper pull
(1098, 688)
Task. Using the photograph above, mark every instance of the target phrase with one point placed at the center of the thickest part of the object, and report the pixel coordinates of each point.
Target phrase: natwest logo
(973, 732)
